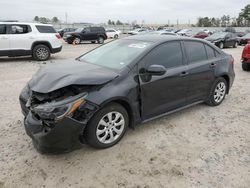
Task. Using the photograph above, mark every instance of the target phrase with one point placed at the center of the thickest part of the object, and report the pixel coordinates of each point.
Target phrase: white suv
(22, 39)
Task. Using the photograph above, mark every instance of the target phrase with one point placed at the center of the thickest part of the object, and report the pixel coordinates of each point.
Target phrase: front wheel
(116, 36)
(107, 127)
(221, 45)
(218, 92)
(41, 53)
(76, 41)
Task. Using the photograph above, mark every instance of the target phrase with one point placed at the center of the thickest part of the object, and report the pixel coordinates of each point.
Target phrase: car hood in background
(213, 39)
(59, 75)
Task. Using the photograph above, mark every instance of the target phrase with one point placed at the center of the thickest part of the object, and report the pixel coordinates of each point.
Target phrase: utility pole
(66, 17)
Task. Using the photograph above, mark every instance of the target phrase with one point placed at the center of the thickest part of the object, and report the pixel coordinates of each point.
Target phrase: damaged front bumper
(64, 136)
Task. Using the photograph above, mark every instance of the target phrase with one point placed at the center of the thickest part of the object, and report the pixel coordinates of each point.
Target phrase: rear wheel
(107, 127)
(246, 66)
(100, 40)
(41, 52)
(116, 36)
(218, 92)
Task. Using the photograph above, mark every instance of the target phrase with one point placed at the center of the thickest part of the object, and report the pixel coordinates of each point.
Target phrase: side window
(210, 52)
(195, 51)
(87, 29)
(2, 29)
(45, 29)
(19, 29)
(169, 55)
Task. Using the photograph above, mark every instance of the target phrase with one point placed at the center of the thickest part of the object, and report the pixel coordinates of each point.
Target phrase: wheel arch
(227, 78)
(124, 103)
(46, 43)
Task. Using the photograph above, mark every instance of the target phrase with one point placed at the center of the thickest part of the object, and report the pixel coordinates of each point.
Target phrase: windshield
(116, 54)
(218, 35)
(79, 30)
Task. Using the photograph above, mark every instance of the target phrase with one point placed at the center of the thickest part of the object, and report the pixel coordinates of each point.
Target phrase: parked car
(137, 31)
(25, 39)
(230, 30)
(244, 40)
(95, 98)
(162, 32)
(65, 30)
(92, 34)
(201, 35)
(186, 32)
(207, 31)
(223, 39)
(112, 33)
(245, 59)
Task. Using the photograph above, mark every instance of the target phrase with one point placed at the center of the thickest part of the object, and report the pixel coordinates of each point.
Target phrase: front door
(160, 94)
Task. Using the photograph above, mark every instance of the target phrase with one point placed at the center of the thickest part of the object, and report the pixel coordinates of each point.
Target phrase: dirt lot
(198, 147)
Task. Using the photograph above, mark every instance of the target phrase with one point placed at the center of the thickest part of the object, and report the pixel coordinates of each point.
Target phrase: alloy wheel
(42, 53)
(219, 92)
(110, 127)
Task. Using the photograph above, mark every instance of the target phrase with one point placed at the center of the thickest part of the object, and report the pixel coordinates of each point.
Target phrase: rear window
(2, 29)
(196, 51)
(45, 29)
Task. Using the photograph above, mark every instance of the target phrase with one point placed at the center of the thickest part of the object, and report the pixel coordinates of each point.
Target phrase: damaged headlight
(58, 110)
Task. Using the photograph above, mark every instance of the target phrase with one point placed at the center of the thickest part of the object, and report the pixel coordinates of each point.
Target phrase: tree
(109, 22)
(44, 20)
(112, 23)
(118, 22)
(36, 19)
(55, 20)
(244, 16)
(225, 20)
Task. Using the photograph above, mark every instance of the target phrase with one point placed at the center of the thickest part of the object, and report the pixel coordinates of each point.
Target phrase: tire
(41, 52)
(116, 36)
(246, 66)
(93, 42)
(235, 45)
(218, 92)
(100, 40)
(101, 123)
(221, 45)
(76, 41)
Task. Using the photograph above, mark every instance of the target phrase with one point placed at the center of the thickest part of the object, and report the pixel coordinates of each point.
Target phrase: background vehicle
(185, 32)
(96, 98)
(65, 30)
(92, 34)
(24, 39)
(223, 39)
(162, 32)
(112, 33)
(245, 59)
(137, 31)
(200, 35)
(244, 40)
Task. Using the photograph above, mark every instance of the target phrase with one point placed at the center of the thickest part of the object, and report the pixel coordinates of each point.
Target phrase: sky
(100, 11)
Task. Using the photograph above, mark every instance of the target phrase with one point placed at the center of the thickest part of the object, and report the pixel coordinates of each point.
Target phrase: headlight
(58, 110)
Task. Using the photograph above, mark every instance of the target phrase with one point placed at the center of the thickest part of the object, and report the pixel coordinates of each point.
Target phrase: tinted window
(210, 52)
(2, 29)
(19, 29)
(195, 51)
(45, 29)
(168, 55)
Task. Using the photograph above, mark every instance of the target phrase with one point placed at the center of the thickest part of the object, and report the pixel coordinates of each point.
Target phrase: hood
(62, 74)
(212, 38)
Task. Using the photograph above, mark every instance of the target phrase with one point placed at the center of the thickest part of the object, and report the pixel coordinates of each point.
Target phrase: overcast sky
(99, 11)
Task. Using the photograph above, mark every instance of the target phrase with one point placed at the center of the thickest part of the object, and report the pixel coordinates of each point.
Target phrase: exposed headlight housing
(58, 110)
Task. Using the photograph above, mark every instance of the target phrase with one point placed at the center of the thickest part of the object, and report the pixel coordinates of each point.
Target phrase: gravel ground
(199, 147)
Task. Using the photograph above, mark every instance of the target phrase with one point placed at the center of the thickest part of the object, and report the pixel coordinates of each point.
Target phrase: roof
(25, 23)
(159, 38)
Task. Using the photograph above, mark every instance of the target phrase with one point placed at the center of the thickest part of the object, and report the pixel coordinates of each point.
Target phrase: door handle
(212, 65)
(184, 73)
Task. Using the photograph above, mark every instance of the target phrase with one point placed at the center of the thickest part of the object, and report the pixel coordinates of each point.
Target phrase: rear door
(4, 41)
(88, 34)
(201, 70)
(21, 38)
(160, 94)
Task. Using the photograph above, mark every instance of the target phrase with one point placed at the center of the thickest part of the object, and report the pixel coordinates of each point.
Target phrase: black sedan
(95, 98)
(244, 40)
(224, 39)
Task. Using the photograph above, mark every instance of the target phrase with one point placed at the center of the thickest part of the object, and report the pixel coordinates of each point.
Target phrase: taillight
(58, 36)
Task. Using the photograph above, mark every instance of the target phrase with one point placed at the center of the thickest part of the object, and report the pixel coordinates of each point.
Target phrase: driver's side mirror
(156, 70)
